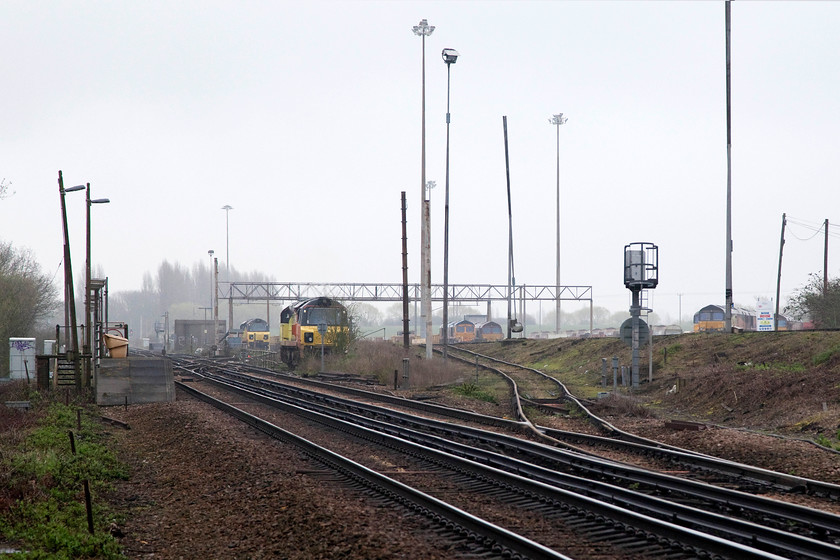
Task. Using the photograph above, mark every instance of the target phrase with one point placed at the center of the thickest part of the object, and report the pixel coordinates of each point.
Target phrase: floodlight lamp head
(100, 201)
(423, 28)
(558, 119)
(449, 56)
(227, 207)
(74, 189)
(210, 252)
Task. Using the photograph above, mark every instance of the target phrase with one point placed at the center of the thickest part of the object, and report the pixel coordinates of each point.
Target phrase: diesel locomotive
(255, 334)
(310, 325)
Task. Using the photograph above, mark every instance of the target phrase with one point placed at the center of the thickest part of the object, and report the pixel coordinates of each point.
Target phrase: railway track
(479, 534)
(650, 453)
(618, 501)
(615, 438)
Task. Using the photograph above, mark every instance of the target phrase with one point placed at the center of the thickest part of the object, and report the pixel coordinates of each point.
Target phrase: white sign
(764, 315)
(21, 358)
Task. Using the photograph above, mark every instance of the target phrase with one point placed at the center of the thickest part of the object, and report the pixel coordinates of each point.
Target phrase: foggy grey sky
(305, 117)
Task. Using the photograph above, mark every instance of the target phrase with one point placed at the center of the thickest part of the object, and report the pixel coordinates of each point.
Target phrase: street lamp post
(423, 30)
(69, 298)
(89, 363)
(430, 186)
(215, 273)
(210, 252)
(557, 120)
(227, 208)
(450, 56)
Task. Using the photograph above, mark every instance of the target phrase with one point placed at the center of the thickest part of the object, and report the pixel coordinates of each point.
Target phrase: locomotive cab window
(711, 315)
(329, 316)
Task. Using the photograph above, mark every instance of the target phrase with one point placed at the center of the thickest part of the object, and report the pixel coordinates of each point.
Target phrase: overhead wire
(57, 269)
(817, 229)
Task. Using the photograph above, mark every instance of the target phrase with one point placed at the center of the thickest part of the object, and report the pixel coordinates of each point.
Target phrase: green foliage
(818, 301)
(793, 367)
(48, 517)
(57, 530)
(825, 356)
(474, 391)
(534, 414)
(826, 442)
(576, 412)
(343, 338)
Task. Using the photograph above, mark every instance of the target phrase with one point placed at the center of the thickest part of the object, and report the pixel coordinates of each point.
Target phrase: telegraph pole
(825, 261)
(779, 277)
(70, 301)
(727, 321)
(406, 339)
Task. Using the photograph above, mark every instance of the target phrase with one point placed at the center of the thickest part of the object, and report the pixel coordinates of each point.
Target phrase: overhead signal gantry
(249, 292)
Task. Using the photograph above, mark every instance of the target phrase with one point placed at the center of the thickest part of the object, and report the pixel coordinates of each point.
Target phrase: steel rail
(694, 460)
(431, 408)
(761, 507)
(436, 509)
(566, 394)
(703, 461)
(621, 506)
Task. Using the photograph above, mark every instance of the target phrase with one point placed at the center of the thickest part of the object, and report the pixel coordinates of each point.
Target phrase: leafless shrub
(4, 188)
(379, 359)
(622, 405)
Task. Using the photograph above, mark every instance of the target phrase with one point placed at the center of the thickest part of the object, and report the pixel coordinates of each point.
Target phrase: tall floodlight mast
(557, 120)
(423, 29)
(450, 56)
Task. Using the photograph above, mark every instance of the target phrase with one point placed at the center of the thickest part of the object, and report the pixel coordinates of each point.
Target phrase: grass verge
(42, 504)
(474, 391)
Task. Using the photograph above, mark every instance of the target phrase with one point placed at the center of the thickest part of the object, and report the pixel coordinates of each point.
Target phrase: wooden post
(406, 338)
(779, 277)
(88, 505)
(825, 261)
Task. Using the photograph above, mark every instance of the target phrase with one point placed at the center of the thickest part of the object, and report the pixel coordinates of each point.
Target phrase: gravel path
(186, 499)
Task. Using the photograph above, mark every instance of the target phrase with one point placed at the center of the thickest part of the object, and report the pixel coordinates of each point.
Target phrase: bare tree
(818, 302)
(4, 188)
(27, 297)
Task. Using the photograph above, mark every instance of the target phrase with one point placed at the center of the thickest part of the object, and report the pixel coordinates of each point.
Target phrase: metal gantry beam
(296, 291)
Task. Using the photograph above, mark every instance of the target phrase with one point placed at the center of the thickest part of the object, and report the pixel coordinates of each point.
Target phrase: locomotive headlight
(308, 337)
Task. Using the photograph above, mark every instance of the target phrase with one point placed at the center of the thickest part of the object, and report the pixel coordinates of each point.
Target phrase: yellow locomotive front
(255, 334)
(311, 325)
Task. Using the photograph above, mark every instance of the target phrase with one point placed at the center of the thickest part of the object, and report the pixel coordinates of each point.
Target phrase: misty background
(305, 117)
